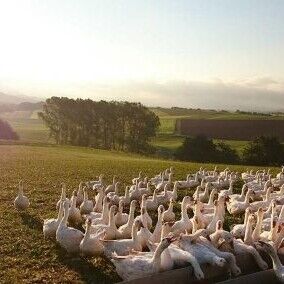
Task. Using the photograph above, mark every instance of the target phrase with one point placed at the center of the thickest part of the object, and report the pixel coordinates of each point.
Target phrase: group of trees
(108, 125)
(261, 151)
(7, 132)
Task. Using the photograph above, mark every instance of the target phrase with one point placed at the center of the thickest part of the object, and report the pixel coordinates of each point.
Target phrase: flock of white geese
(138, 247)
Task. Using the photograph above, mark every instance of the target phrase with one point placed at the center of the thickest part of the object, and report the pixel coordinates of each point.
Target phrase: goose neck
(275, 260)
(184, 212)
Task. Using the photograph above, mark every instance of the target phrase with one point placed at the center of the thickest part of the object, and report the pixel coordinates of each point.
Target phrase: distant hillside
(16, 99)
(26, 106)
(189, 113)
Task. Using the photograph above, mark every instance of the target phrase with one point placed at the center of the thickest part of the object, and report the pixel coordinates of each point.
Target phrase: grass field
(32, 129)
(25, 256)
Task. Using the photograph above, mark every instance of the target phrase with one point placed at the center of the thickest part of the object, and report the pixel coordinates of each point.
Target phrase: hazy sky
(223, 54)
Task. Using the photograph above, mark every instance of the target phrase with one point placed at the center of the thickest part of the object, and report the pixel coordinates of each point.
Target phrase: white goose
(50, 225)
(111, 232)
(68, 237)
(120, 217)
(91, 245)
(126, 198)
(101, 218)
(87, 205)
(238, 230)
(74, 216)
(21, 202)
(189, 182)
(202, 253)
(137, 179)
(184, 224)
(264, 203)
(80, 195)
(124, 246)
(237, 207)
(169, 215)
(96, 184)
(134, 266)
(156, 236)
(99, 200)
(63, 196)
(125, 230)
(202, 196)
(160, 186)
(114, 195)
(111, 187)
(277, 265)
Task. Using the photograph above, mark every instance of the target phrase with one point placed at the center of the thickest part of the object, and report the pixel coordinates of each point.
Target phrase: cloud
(253, 94)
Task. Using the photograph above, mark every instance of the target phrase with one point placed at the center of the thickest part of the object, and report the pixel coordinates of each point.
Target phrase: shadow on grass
(96, 270)
(31, 221)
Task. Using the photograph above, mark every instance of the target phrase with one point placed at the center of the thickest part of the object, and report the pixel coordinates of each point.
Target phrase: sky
(220, 54)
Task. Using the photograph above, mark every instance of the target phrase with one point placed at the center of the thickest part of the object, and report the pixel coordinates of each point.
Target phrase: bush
(264, 151)
(202, 149)
(226, 154)
(7, 132)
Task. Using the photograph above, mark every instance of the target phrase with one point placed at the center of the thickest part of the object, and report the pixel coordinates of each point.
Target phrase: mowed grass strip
(25, 256)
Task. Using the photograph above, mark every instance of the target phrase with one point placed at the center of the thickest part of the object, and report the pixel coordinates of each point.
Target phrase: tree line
(262, 151)
(100, 124)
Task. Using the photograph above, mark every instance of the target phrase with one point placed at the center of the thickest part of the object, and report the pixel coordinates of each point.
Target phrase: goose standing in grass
(21, 202)
(124, 246)
(202, 196)
(189, 182)
(184, 224)
(114, 195)
(91, 245)
(137, 179)
(111, 232)
(69, 238)
(208, 207)
(126, 198)
(156, 236)
(95, 184)
(237, 207)
(125, 230)
(74, 216)
(63, 197)
(120, 217)
(111, 187)
(80, 195)
(160, 186)
(50, 225)
(239, 197)
(87, 205)
(238, 230)
(277, 265)
(134, 266)
(101, 218)
(98, 208)
(169, 215)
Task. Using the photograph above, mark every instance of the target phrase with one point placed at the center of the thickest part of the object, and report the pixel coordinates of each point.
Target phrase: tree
(264, 151)
(7, 132)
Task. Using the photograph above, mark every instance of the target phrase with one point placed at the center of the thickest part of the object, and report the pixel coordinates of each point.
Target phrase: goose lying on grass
(136, 266)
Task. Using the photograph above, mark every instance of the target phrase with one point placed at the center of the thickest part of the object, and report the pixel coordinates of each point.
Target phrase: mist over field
(262, 94)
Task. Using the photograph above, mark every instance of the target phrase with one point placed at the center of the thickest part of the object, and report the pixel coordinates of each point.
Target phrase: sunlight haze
(167, 53)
